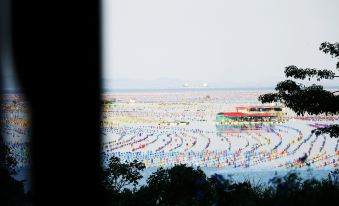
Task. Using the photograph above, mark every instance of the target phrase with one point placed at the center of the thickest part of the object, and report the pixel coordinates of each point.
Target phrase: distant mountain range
(160, 83)
(10, 84)
(172, 83)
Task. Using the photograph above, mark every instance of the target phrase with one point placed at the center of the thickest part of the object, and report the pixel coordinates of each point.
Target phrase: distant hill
(172, 83)
(160, 83)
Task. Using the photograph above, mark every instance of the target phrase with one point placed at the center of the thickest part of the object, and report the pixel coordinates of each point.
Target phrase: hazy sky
(216, 41)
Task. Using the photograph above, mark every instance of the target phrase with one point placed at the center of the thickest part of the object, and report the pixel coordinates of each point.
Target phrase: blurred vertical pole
(2, 21)
(3, 49)
(56, 50)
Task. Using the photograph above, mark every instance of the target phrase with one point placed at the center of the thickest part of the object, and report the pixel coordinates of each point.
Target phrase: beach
(166, 128)
(163, 128)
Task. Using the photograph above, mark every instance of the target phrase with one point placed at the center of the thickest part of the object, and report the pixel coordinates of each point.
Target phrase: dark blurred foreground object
(11, 190)
(56, 54)
(313, 99)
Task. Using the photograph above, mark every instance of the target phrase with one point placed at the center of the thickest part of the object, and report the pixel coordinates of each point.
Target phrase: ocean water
(133, 132)
(255, 155)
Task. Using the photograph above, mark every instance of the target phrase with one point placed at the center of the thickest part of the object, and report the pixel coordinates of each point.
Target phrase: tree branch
(300, 73)
(332, 130)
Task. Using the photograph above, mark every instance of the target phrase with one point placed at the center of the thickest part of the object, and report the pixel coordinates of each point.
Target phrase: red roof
(240, 114)
(234, 114)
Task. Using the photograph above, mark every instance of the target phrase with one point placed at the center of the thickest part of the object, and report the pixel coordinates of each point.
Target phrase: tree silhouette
(117, 175)
(184, 185)
(179, 185)
(312, 99)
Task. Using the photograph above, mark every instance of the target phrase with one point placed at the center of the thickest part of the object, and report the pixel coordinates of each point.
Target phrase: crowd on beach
(133, 131)
(246, 156)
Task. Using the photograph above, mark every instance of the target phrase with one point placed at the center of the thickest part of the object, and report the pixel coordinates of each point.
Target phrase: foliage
(226, 192)
(287, 186)
(297, 73)
(332, 49)
(332, 130)
(183, 185)
(311, 99)
(180, 185)
(118, 175)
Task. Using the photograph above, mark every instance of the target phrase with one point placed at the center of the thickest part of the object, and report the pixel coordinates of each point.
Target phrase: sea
(147, 103)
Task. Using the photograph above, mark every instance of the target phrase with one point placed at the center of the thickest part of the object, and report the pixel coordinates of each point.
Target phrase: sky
(223, 43)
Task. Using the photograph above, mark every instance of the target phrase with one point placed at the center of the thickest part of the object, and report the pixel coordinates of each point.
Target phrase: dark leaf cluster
(299, 73)
(118, 175)
(180, 185)
(332, 49)
(183, 185)
(332, 130)
(313, 100)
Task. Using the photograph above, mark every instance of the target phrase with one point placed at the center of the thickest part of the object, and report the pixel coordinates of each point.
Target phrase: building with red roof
(250, 114)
